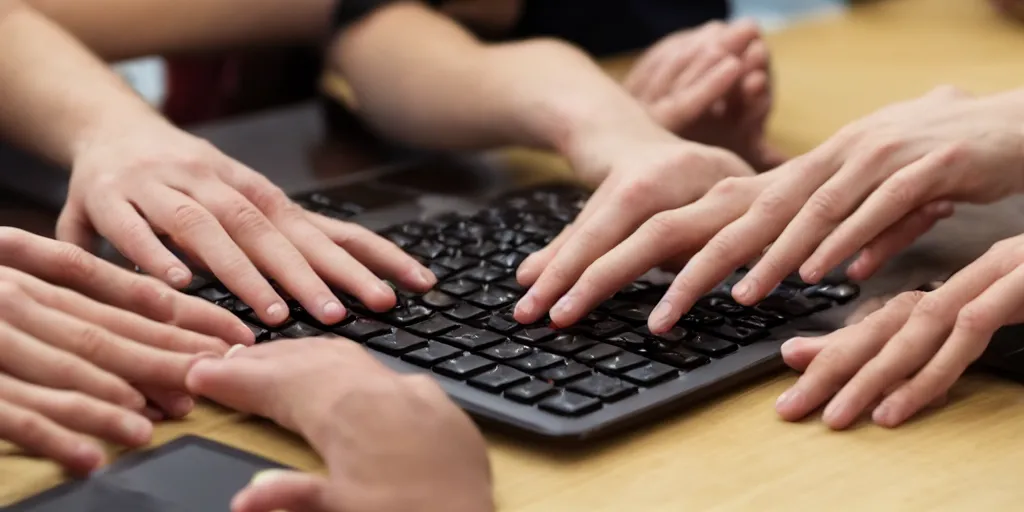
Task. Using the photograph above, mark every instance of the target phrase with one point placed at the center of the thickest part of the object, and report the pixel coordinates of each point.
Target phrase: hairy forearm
(420, 78)
(119, 29)
(54, 95)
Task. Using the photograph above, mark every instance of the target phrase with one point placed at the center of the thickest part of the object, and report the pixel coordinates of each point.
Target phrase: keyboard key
(236, 306)
(428, 249)
(459, 287)
(362, 329)
(699, 318)
(622, 362)
(397, 342)
(677, 357)
(491, 298)
(511, 284)
(537, 361)
(758, 321)
(671, 337)
(433, 326)
(464, 312)
(485, 274)
(597, 353)
(529, 248)
(633, 313)
(649, 375)
(738, 333)
(608, 389)
(441, 273)
(407, 315)
(299, 330)
(498, 379)
(480, 250)
(709, 345)
(793, 305)
(503, 322)
(260, 333)
(438, 300)
(471, 338)
(841, 293)
(508, 259)
(567, 344)
(628, 340)
(561, 374)
(535, 335)
(530, 392)
(214, 293)
(401, 240)
(433, 353)
(722, 305)
(464, 367)
(506, 351)
(198, 283)
(456, 263)
(568, 403)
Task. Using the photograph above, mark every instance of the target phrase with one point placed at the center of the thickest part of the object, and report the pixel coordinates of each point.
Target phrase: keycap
(677, 357)
(567, 344)
(722, 305)
(793, 306)
(438, 300)
(757, 321)
(633, 313)
(456, 263)
(464, 312)
(401, 240)
(491, 298)
(534, 335)
(841, 293)
(567, 403)
(299, 330)
(433, 353)
(485, 274)
(628, 340)
(738, 333)
(235, 306)
(608, 389)
(537, 361)
(651, 374)
(464, 367)
(397, 342)
(433, 326)
(709, 345)
(530, 392)
(471, 338)
(407, 315)
(507, 350)
(503, 322)
(441, 273)
(498, 379)
(260, 333)
(561, 374)
(510, 283)
(427, 249)
(198, 282)
(597, 353)
(529, 248)
(417, 229)
(480, 250)
(213, 293)
(459, 287)
(508, 259)
(361, 329)
(622, 362)
(509, 237)
(699, 318)
(671, 337)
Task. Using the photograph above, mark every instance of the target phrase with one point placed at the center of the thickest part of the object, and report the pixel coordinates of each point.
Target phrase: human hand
(129, 187)
(908, 354)
(877, 185)
(1011, 8)
(647, 176)
(711, 85)
(391, 442)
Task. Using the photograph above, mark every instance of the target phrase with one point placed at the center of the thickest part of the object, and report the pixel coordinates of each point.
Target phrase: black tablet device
(189, 474)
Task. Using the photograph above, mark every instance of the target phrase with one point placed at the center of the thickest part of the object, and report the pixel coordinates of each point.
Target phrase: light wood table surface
(733, 453)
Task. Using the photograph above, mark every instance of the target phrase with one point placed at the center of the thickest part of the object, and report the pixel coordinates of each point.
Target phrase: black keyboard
(606, 372)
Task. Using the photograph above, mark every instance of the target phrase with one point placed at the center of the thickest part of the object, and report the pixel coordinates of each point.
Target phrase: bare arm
(119, 29)
(54, 95)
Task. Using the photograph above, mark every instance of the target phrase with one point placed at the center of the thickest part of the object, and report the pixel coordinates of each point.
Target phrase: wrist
(115, 125)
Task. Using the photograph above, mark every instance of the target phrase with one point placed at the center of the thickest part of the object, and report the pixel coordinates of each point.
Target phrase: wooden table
(733, 453)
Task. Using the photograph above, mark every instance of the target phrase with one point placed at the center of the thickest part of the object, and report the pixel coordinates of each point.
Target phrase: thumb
(278, 490)
(239, 383)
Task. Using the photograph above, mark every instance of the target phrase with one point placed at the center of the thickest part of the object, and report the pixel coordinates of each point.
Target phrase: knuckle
(92, 343)
(74, 261)
(826, 204)
(954, 153)
(189, 218)
(247, 218)
(882, 149)
(31, 427)
(728, 187)
(660, 227)
(975, 319)
(900, 190)
(265, 195)
(12, 239)
(931, 307)
(771, 202)
(949, 91)
(910, 298)
(637, 191)
(10, 292)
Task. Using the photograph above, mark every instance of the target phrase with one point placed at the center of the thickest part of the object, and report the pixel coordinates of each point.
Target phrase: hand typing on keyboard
(390, 442)
(73, 365)
(908, 354)
(154, 179)
(711, 85)
(646, 177)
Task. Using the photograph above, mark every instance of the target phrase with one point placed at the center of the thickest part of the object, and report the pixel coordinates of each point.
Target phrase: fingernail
(785, 398)
(426, 278)
(245, 335)
(741, 291)
(833, 411)
(333, 309)
(88, 453)
(785, 349)
(883, 414)
(268, 475)
(661, 317)
(136, 429)
(233, 350)
(277, 312)
(181, 406)
(178, 277)
(525, 307)
(563, 306)
(812, 276)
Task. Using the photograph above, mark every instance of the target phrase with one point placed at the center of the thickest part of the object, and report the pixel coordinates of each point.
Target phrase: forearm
(55, 96)
(119, 29)
(420, 78)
